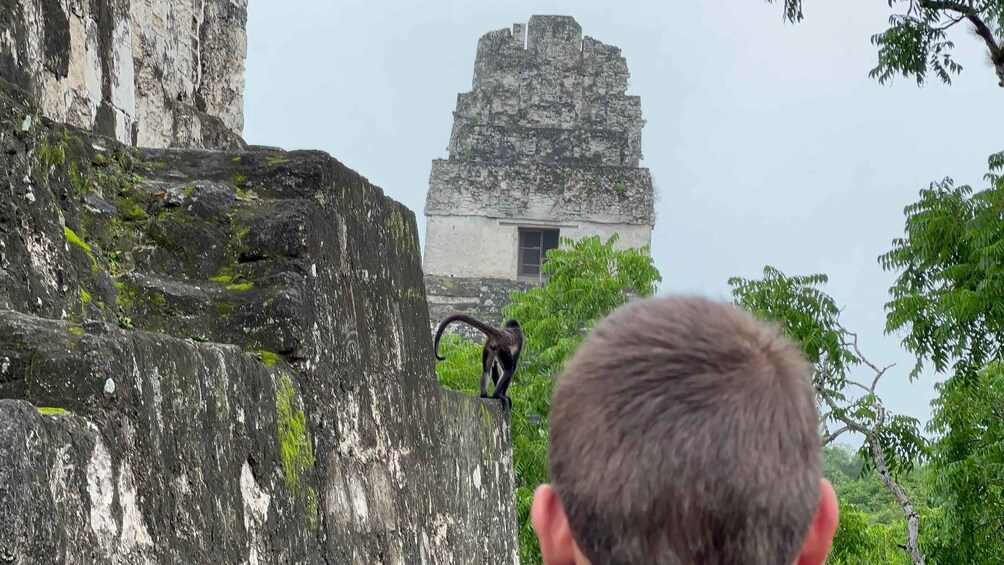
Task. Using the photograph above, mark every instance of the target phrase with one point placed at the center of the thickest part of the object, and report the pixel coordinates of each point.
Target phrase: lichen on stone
(399, 231)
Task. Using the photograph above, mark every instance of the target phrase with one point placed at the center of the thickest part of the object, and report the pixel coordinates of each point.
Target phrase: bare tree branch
(829, 439)
(912, 547)
(859, 385)
(879, 375)
(857, 351)
(952, 22)
(912, 516)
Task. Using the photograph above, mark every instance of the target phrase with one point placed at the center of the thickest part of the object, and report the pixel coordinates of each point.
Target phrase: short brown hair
(683, 431)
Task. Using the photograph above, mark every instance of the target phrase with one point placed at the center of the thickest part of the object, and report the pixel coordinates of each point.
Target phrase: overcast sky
(767, 142)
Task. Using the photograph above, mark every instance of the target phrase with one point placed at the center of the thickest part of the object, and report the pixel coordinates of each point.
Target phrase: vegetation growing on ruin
(266, 357)
(277, 159)
(294, 442)
(295, 446)
(74, 239)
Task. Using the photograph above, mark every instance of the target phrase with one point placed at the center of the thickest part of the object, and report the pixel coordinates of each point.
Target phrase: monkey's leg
(503, 388)
(495, 373)
(487, 363)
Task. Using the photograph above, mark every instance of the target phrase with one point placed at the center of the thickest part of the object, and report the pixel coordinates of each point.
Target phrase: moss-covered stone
(224, 310)
(239, 180)
(328, 315)
(277, 159)
(74, 239)
(267, 357)
(295, 446)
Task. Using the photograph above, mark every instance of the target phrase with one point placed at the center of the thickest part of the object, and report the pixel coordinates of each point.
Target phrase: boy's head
(685, 431)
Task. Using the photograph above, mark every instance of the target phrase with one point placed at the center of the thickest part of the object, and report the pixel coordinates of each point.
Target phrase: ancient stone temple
(212, 352)
(546, 145)
(148, 73)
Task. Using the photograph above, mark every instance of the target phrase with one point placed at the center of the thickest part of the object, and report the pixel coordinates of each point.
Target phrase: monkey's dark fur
(502, 346)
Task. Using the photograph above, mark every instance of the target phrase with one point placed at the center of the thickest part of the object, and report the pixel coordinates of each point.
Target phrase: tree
(968, 465)
(587, 279)
(948, 302)
(858, 540)
(810, 317)
(917, 43)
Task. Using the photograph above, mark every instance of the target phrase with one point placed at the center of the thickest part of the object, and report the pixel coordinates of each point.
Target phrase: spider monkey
(502, 347)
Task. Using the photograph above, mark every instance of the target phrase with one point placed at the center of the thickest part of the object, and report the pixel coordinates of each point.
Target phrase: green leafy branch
(810, 317)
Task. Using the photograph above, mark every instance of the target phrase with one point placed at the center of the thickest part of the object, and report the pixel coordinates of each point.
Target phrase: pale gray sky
(768, 142)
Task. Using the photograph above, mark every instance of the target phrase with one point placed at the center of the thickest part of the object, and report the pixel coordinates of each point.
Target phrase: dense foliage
(586, 279)
(948, 303)
(871, 523)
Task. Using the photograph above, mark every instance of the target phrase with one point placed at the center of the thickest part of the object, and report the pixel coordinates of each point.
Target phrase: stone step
(205, 230)
(264, 172)
(269, 315)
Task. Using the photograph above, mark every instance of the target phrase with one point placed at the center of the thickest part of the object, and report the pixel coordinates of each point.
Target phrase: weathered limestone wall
(224, 357)
(152, 73)
(546, 138)
(490, 254)
(482, 297)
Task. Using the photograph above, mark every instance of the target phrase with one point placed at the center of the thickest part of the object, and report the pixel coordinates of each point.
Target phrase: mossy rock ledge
(224, 357)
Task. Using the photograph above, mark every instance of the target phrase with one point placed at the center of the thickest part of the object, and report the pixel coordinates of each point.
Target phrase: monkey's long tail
(485, 328)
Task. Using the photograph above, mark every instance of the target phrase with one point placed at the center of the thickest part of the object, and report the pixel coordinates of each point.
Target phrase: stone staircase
(224, 356)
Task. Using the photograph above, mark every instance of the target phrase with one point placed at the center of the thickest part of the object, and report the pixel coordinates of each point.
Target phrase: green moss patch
(291, 427)
(51, 154)
(240, 286)
(267, 357)
(313, 516)
(73, 238)
(133, 212)
(399, 230)
(277, 159)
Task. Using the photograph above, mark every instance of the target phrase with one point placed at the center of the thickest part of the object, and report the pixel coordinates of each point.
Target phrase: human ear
(819, 539)
(557, 546)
